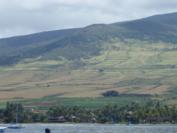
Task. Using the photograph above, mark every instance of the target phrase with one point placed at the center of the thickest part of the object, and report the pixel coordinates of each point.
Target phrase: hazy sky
(27, 16)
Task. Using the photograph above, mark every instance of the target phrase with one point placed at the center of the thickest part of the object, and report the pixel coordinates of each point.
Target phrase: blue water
(94, 128)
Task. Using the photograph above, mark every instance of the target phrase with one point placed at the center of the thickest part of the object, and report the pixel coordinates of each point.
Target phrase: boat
(15, 125)
(2, 129)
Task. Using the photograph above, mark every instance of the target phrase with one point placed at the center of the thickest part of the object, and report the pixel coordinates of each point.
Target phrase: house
(60, 119)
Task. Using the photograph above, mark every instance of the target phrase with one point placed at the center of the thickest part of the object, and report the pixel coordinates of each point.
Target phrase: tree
(111, 94)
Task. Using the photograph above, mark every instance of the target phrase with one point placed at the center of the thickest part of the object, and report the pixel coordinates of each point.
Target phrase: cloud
(28, 16)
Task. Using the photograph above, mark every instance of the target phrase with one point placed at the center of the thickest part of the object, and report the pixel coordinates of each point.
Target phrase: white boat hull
(15, 126)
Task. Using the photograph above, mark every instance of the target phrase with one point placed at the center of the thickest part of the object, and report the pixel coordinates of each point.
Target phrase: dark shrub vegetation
(111, 93)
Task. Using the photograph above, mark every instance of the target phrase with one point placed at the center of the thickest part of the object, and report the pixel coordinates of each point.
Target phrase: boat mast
(16, 118)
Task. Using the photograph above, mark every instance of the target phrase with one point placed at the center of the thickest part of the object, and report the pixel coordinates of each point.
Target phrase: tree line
(133, 113)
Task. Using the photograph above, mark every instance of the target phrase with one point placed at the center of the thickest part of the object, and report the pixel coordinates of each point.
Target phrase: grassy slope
(134, 67)
(50, 101)
(74, 44)
(88, 61)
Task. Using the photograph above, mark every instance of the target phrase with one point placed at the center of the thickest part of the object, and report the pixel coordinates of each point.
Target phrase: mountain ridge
(133, 58)
(87, 39)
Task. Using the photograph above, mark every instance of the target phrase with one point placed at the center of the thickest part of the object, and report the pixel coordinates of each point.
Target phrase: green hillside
(133, 58)
(74, 44)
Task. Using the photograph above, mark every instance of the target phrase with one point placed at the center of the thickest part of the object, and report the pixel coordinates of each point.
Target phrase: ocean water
(94, 128)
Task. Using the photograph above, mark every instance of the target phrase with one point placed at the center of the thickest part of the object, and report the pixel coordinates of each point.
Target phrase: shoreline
(90, 124)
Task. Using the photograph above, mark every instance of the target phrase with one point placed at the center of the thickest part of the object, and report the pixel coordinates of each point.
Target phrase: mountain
(85, 42)
(134, 57)
(156, 28)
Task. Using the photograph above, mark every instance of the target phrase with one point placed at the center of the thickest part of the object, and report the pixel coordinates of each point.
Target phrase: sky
(19, 17)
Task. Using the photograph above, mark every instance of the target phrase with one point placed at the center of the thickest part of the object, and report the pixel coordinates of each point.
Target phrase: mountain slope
(155, 28)
(135, 57)
(85, 42)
